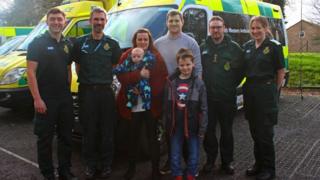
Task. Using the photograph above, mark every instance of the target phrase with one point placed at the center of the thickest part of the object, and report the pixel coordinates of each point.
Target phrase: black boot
(208, 167)
(90, 173)
(105, 172)
(166, 168)
(131, 171)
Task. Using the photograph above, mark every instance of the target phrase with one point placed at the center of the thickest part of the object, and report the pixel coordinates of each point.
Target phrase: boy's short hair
(184, 53)
(55, 11)
(174, 12)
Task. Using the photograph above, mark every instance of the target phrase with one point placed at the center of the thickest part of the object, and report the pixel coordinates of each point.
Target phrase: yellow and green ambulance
(129, 15)
(126, 16)
(14, 92)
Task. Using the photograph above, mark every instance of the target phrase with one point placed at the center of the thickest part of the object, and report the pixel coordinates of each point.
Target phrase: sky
(293, 11)
(4, 4)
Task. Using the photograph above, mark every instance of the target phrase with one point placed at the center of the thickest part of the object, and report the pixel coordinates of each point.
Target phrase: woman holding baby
(135, 104)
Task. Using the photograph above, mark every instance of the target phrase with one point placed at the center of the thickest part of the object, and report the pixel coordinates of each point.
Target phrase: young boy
(185, 114)
(137, 60)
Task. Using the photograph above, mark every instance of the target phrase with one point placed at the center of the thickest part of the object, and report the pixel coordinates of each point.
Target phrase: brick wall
(311, 32)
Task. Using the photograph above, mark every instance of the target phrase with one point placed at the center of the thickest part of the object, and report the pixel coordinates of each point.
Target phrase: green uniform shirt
(95, 58)
(53, 58)
(262, 63)
(222, 68)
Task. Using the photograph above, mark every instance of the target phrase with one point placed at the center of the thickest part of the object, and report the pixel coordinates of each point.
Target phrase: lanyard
(85, 45)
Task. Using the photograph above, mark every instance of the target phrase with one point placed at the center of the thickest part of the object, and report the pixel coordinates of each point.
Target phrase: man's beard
(98, 28)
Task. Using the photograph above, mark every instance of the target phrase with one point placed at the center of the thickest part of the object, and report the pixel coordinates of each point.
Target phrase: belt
(259, 81)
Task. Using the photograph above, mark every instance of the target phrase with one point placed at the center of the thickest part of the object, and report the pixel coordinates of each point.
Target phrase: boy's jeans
(177, 140)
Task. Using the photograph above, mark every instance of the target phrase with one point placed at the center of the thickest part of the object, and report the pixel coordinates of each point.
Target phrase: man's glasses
(215, 27)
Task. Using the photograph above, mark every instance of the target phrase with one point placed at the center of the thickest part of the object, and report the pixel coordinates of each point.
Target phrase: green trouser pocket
(269, 102)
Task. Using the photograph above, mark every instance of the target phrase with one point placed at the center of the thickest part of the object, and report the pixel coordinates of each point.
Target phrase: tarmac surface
(297, 142)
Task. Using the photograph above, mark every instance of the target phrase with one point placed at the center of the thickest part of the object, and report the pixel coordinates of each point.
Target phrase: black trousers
(261, 111)
(135, 126)
(58, 118)
(222, 113)
(97, 117)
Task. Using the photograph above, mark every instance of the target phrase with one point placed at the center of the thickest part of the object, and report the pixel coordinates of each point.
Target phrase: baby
(137, 60)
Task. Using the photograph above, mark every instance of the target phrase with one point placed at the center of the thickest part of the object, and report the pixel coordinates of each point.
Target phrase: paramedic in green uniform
(264, 70)
(49, 75)
(95, 54)
(222, 72)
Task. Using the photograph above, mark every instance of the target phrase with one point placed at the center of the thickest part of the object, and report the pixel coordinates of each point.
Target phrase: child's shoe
(190, 177)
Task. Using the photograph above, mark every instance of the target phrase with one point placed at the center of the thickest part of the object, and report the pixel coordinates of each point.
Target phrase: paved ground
(297, 145)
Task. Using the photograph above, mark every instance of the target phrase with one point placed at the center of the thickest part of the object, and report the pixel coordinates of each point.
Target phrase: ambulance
(129, 15)
(14, 92)
(7, 32)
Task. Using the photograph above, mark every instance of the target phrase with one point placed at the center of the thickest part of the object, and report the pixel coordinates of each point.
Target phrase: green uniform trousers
(261, 111)
(58, 119)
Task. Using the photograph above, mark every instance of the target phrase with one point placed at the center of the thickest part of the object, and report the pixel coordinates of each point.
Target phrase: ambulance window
(277, 30)
(80, 28)
(195, 24)
(236, 26)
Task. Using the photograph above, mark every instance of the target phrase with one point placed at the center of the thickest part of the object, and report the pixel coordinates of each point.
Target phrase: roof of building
(305, 21)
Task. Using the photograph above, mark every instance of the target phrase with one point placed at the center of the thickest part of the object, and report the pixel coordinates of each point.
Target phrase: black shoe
(90, 173)
(208, 167)
(265, 175)
(228, 169)
(130, 172)
(105, 172)
(67, 175)
(166, 168)
(252, 171)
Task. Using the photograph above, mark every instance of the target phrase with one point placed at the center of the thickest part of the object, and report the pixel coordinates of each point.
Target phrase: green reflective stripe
(276, 12)
(7, 31)
(14, 31)
(215, 5)
(232, 6)
(286, 63)
(265, 10)
(244, 7)
(252, 7)
(23, 31)
(182, 4)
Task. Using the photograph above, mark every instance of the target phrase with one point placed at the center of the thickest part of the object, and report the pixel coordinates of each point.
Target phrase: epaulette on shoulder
(40, 36)
(249, 42)
(107, 37)
(275, 41)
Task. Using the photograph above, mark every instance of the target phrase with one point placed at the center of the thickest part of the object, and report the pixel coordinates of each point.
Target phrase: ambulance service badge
(227, 66)
(66, 49)
(266, 50)
(106, 47)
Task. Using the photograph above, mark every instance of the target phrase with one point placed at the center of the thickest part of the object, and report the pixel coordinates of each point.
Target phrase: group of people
(172, 80)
